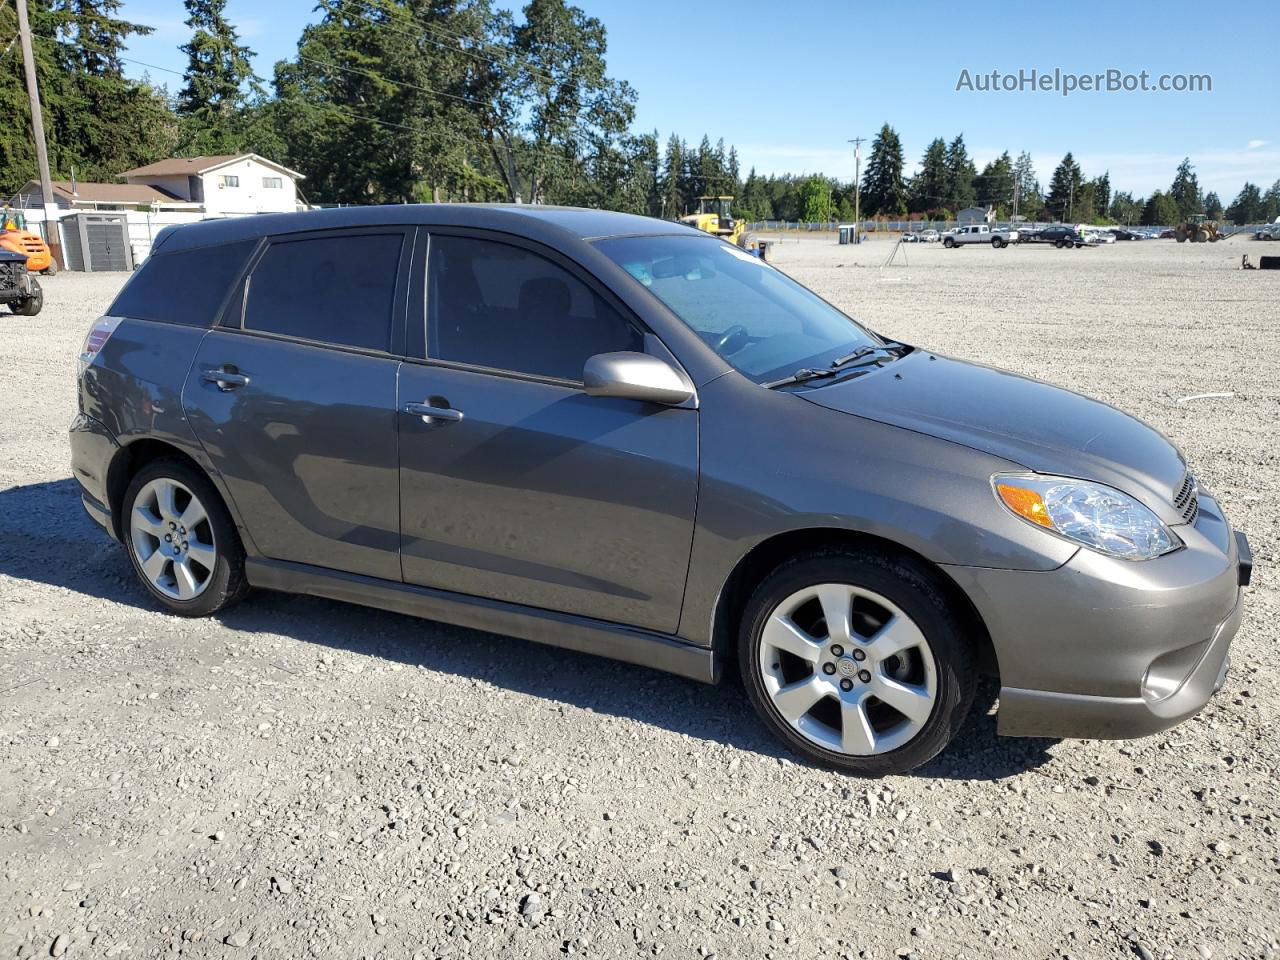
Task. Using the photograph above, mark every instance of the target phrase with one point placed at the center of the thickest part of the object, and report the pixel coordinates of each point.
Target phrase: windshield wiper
(813, 373)
(866, 351)
(800, 376)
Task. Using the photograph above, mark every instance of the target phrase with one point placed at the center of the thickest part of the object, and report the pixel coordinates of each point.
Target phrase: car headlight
(1098, 516)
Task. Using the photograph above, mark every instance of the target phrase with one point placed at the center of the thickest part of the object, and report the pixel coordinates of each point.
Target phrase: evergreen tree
(1124, 208)
(1159, 211)
(1271, 203)
(96, 120)
(1063, 188)
(1248, 207)
(994, 185)
(1212, 206)
(1029, 200)
(960, 173)
(929, 185)
(1102, 196)
(883, 191)
(219, 72)
(1185, 191)
(673, 200)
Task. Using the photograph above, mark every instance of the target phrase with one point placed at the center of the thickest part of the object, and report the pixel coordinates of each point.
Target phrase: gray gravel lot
(304, 778)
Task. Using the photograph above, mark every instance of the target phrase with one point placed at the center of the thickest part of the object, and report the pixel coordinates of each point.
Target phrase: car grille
(11, 275)
(1187, 502)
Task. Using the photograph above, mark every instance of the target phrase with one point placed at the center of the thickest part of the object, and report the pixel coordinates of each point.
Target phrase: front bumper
(1108, 648)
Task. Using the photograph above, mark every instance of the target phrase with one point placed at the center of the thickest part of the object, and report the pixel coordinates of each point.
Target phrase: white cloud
(1255, 144)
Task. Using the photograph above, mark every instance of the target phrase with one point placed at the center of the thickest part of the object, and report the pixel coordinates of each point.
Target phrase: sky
(776, 81)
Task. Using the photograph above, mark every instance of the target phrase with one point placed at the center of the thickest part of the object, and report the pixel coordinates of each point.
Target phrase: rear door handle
(225, 379)
(430, 414)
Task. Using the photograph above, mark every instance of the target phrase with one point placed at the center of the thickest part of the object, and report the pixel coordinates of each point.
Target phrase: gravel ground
(303, 778)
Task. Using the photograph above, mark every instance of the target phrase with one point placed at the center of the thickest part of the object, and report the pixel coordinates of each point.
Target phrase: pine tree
(673, 199)
(1159, 211)
(994, 185)
(929, 185)
(1212, 206)
(883, 191)
(219, 72)
(1248, 207)
(1271, 203)
(1102, 195)
(1185, 191)
(1029, 200)
(960, 174)
(1064, 186)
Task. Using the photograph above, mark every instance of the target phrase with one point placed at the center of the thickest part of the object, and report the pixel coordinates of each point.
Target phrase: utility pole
(37, 129)
(857, 188)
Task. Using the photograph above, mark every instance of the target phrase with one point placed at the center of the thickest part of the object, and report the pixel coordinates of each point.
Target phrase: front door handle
(225, 379)
(430, 414)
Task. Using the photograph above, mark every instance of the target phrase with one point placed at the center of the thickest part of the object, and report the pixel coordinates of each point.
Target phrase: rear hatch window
(187, 287)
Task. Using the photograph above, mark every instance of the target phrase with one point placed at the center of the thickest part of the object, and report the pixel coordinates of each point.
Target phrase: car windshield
(757, 318)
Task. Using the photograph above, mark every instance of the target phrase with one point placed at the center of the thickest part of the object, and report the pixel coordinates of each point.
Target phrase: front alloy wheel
(847, 669)
(858, 660)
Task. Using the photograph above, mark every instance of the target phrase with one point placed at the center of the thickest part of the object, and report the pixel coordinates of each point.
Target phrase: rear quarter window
(186, 287)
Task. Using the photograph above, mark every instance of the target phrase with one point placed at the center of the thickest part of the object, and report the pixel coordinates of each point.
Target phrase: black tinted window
(333, 289)
(186, 287)
(500, 306)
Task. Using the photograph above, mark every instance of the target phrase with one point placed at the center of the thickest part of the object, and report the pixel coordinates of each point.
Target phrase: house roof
(187, 166)
(106, 192)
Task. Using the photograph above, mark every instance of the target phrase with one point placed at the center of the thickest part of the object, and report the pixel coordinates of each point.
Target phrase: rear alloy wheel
(180, 538)
(857, 661)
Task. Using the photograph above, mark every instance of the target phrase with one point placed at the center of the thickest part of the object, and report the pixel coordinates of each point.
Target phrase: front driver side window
(500, 306)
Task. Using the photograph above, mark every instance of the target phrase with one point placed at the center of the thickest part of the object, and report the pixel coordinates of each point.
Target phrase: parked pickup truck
(980, 233)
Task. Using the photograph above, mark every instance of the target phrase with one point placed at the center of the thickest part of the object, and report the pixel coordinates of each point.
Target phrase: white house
(225, 186)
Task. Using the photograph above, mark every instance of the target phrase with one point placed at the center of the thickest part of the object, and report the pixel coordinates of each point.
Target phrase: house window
(272, 183)
(230, 181)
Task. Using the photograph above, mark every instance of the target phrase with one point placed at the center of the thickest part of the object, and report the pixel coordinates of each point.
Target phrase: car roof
(537, 222)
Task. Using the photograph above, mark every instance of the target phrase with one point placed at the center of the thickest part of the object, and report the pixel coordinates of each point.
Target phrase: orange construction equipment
(31, 245)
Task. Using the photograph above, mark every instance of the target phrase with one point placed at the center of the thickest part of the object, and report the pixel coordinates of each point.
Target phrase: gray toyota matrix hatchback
(626, 437)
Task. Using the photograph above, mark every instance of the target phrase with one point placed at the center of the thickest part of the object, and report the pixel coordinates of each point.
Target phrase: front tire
(181, 540)
(857, 661)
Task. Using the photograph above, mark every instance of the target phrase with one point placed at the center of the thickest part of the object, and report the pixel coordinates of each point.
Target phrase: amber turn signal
(1025, 503)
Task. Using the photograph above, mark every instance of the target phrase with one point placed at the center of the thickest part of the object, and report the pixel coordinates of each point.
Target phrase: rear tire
(826, 691)
(52, 269)
(949, 243)
(181, 540)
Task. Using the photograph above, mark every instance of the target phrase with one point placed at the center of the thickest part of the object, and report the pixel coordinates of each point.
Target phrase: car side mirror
(635, 376)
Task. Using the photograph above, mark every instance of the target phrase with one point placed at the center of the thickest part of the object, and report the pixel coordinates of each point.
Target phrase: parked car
(18, 288)
(979, 233)
(1123, 233)
(1167, 235)
(1060, 237)
(627, 437)
(909, 237)
(930, 236)
(1269, 232)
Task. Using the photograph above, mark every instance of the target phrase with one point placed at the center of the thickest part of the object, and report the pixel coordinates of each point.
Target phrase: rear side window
(186, 287)
(337, 290)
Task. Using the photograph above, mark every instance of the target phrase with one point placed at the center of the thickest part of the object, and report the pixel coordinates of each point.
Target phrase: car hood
(1027, 422)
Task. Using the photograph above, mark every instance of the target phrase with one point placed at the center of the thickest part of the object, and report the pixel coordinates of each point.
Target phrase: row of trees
(404, 100)
(947, 181)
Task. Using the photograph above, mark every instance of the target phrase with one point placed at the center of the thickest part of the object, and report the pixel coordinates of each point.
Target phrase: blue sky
(789, 98)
